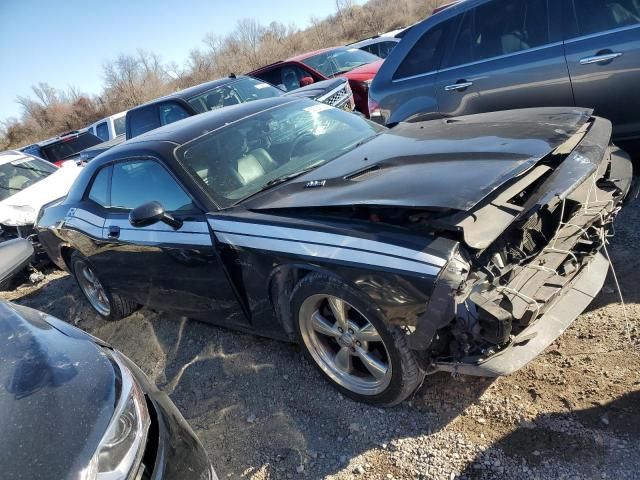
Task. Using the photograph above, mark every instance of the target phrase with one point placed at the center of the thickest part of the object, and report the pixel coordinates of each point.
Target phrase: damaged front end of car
(531, 258)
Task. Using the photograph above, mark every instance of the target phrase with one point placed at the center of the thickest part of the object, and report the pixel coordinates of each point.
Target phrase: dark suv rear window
(69, 146)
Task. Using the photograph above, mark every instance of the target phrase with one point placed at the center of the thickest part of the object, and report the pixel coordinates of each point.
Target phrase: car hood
(364, 72)
(441, 164)
(22, 208)
(57, 396)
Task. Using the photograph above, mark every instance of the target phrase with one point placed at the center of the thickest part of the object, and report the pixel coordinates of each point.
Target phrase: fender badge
(315, 183)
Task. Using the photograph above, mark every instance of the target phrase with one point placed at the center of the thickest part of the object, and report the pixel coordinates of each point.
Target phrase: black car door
(603, 54)
(157, 265)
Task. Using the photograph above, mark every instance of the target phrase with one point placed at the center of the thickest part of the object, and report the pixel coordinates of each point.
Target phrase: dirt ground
(263, 412)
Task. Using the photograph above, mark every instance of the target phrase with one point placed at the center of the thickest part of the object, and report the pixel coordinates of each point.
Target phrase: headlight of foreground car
(120, 452)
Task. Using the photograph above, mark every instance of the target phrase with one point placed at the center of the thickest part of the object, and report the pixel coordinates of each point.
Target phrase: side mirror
(150, 213)
(304, 81)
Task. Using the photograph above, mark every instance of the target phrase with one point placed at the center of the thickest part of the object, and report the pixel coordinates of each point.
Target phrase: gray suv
(486, 55)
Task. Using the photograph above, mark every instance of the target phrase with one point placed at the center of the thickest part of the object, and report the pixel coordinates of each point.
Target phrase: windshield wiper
(280, 180)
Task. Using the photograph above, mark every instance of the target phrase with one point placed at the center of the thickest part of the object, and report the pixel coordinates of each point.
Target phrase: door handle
(458, 86)
(114, 231)
(605, 57)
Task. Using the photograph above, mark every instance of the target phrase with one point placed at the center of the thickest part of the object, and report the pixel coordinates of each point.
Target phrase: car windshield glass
(340, 60)
(22, 173)
(69, 146)
(256, 152)
(241, 91)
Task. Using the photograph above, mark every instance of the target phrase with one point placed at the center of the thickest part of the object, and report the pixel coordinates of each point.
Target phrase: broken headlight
(120, 452)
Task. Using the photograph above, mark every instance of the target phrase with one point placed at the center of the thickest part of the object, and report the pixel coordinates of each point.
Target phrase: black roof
(190, 92)
(184, 130)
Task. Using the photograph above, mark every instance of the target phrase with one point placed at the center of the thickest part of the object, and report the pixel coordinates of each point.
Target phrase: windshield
(69, 146)
(247, 156)
(22, 173)
(241, 91)
(339, 60)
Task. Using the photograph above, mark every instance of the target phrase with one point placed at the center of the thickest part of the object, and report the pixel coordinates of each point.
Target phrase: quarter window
(137, 182)
(99, 188)
(102, 131)
(593, 16)
(500, 28)
(425, 55)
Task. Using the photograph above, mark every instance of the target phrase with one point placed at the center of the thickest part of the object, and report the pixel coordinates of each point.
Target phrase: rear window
(142, 120)
(69, 146)
(339, 60)
(102, 131)
(22, 173)
(241, 91)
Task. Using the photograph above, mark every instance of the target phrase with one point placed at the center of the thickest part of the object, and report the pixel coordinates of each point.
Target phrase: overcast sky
(67, 42)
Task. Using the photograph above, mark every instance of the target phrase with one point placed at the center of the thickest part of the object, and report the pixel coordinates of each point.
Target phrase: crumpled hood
(442, 164)
(57, 396)
(22, 208)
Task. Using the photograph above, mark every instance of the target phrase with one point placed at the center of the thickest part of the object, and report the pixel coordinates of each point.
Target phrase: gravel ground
(263, 412)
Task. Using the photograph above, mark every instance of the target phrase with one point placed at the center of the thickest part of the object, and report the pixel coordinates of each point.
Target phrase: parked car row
(428, 240)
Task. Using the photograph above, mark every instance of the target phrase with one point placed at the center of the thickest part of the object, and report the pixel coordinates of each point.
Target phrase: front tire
(345, 336)
(110, 306)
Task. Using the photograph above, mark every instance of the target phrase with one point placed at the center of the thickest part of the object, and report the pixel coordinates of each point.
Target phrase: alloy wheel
(345, 344)
(93, 289)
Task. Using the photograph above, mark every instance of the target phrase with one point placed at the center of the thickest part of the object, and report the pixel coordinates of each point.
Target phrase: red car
(358, 66)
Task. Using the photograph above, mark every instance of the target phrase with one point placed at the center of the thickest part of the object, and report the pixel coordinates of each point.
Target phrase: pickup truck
(108, 128)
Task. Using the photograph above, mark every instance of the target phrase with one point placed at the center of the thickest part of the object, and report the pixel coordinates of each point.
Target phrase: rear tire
(110, 306)
(345, 336)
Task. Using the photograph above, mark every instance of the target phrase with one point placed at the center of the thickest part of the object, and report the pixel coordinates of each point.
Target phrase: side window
(102, 131)
(118, 125)
(373, 48)
(172, 112)
(593, 16)
(426, 54)
(385, 49)
(274, 77)
(142, 120)
(100, 187)
(137, 182)
(500, 28)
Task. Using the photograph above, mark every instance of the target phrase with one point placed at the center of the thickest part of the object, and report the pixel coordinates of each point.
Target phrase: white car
(109, 127)
(26, 184)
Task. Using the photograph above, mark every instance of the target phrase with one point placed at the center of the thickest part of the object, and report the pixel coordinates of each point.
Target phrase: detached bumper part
(537, 337)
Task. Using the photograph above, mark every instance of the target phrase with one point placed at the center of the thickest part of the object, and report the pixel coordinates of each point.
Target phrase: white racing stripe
(327, 252)
(151, 236)
(334, 240)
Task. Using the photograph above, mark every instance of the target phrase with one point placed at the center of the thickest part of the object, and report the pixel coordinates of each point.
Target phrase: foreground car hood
(22, 208)
(442, 164)
(57, 396)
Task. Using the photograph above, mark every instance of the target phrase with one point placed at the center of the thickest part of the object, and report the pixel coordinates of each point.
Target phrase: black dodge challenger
(464, 245)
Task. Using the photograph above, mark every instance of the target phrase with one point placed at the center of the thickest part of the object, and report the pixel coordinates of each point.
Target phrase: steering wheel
(297, 142)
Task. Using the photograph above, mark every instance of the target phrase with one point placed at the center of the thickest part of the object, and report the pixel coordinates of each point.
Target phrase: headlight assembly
(120, 451)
